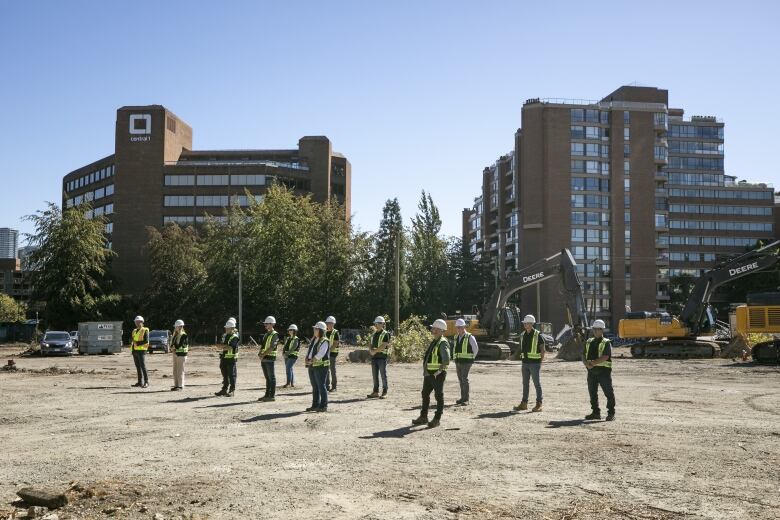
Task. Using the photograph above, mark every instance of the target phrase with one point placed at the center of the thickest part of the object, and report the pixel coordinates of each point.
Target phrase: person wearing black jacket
(180, 346)
(292, 345)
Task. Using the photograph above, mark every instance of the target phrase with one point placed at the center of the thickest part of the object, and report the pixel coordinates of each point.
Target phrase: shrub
(412, 340)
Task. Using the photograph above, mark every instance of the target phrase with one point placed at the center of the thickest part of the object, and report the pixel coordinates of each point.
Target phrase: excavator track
(681, 348)
(767, 352)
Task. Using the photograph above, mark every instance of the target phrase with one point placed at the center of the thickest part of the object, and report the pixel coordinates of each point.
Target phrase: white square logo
(140, 124)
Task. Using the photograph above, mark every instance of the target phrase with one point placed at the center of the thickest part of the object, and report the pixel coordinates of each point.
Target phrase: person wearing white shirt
(318, 363)
(464, 352)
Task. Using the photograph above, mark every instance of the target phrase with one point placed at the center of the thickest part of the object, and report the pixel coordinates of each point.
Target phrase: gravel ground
(692, 439)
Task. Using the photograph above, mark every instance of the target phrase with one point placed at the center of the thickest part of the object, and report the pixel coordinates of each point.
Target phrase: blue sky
(417, 94)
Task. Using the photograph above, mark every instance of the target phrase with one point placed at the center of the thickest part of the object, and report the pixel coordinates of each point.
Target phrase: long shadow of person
(398, 433)
(570, 422)
(496, 415)
(270, 416)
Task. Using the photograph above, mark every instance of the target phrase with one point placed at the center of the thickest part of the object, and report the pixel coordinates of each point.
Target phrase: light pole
(593, 288)
(240, 302)
(397, 307)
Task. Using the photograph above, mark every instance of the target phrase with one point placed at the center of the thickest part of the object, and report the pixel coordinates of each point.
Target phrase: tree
(468, 278)
(428, 269)
(11, 311)
(178, 277)
(69, 267)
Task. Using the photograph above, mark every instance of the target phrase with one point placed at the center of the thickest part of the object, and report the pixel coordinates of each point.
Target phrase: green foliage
(429, 273)
(409, 344)
(69, 267)
(11, 311)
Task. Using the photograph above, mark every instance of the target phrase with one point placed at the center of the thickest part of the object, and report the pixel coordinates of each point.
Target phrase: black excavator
(661, 335)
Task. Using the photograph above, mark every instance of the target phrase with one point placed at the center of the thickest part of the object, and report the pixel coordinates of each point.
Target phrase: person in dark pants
(318, 360)
(598, 360)
(378, 347)
(228, 358)
(435, 362)
(139, 345)
(333, 340)
(464, 351)
(532, 354)
(292, 344)
(267, 356)
(180, 346)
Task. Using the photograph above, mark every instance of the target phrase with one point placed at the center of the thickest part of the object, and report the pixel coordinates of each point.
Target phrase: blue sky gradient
(417, 94)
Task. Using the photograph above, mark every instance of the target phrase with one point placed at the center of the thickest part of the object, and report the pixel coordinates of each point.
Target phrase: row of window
(686, 240)
(722, 226)
(589, 167)
(704, 132)
(215, 180)
(721, 194)
(590, 218)
(590, 253)
(695, 163)
(696, 179)
(108, 209)
(721, 210)
(696, 147)
(590, 149)
(589, 184)
(99, 193)
(589, 132)
(692, 257)
(207, 200)
(95, 176)
(582, 115)
(590, 235)
(590, 201)
(181, 220)
(599, 269)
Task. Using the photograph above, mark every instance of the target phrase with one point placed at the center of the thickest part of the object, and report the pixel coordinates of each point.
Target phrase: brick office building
(154, 177)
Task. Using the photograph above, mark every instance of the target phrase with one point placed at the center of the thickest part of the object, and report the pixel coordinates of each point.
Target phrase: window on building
(247, 180)
(179, 180)
(179, 200)
(626, 134)
(626, 117)
(213, 180)
(626, 150)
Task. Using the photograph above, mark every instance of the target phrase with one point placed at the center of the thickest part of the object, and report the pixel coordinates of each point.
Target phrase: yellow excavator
(662, 335)
(761, 315)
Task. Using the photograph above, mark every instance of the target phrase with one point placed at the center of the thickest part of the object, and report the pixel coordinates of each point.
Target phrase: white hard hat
(270, 320)
(379, 319)
(231, 322)
(320, 325)
(529, 318)
(460, 322)
(179, 323)
(439, 324)
(139, 318)
(599, 324)
(293, 327)
(330, 319)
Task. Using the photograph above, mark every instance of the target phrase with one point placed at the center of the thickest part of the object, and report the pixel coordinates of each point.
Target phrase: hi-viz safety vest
(230, 352)
(434, 361)
(463, 349)
(178, 342)
(602, 344)
(289, 346)
(138, 338)
(376, 341)
(533, 352)
(270, 337)
(330, 335)
(325, 361)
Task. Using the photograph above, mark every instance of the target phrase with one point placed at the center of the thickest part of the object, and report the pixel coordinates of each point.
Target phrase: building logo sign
(140, 127)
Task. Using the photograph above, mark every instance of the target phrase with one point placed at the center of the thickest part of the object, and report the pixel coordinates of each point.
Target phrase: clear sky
(417, 94)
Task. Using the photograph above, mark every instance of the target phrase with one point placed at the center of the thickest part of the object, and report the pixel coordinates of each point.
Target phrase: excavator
(760, 315)
(662, 335)
(499, 324)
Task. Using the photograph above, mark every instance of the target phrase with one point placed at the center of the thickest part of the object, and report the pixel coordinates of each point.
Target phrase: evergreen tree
(428, 270)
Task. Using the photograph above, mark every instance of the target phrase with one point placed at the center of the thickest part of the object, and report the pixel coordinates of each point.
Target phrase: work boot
(136, 385)
(520, 407)
(593, 416)
(373, 395)
(611, 416)
(311, 409)
(423, 419)
(286, 386)
(434, 423)
(174, 388)
(384, 394)
(229, 394)
(537, 408)
(321, 410)
(145, 385)
(461, 403)
(221, 392)
(332, 389)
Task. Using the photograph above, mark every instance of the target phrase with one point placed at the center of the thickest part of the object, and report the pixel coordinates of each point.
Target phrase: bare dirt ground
(693, 439)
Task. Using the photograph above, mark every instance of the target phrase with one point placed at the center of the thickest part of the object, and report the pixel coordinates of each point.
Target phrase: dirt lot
(693, 439)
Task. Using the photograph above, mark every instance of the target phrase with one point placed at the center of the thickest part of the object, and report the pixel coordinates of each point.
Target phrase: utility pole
(397, 315)
(593, 288)
(240, 303)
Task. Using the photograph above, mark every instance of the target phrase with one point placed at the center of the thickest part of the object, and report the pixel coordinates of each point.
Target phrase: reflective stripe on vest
(463, 347)
(329, 335)
(230, 353)
(180, 349)
(138, 336)
(534, 352)
(288, 343)
(434, 362)
(325, 361)
(602, 344)
(270, 337)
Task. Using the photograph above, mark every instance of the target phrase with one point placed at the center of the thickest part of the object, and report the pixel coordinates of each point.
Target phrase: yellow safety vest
(434, 362)
(138, 337)
(230, 352)
(270, 337)
(330, 335)
(602, 344)
(463, 347)
(534, 352)
(325, 361)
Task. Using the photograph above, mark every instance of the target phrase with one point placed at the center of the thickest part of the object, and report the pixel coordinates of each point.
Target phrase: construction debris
(42, 497)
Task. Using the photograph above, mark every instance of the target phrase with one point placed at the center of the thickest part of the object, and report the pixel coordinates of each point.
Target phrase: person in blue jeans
(318, 363)
(532, 353)
(292, 345)
(378, 348)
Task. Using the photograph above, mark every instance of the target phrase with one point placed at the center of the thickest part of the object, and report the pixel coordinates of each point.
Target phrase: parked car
(158, 340)
(74, 337)
(56, 342)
